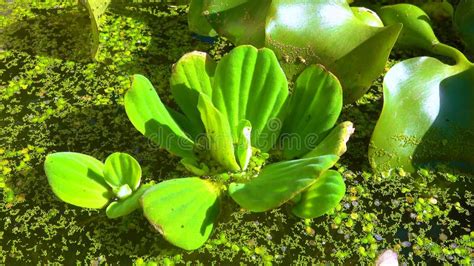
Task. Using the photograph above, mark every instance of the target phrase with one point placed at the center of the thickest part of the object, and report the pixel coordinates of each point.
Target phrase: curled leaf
(367, 16)
(191, 75)
(416, 32)
(243, 150)
(96, 9)
(122, 169)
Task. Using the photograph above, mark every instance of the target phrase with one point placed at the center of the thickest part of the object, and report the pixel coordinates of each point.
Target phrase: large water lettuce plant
(232, 113)
(304, 32)
(428, 115)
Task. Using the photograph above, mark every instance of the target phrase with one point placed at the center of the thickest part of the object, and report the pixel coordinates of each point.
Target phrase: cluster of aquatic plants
(35, 221)
(233, 113)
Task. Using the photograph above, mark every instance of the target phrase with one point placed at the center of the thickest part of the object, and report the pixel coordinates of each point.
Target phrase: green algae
(54, 98)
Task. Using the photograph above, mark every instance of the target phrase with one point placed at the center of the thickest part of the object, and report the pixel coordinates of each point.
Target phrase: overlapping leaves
(84, 181)
(305, 32)
(240, 104)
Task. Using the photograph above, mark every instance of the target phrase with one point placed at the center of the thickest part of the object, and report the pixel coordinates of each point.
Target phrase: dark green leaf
(197, 22)
(241, 21)
(416, 32)
(464, 21)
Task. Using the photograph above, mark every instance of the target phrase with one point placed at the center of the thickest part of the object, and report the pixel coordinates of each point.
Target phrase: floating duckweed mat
(53, 97)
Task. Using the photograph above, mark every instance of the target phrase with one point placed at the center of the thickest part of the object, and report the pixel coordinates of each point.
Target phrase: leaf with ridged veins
(183, 210)
(77, 179)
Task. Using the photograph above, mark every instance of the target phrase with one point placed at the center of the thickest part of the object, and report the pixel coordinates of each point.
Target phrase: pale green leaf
(149, 116)
(183, 210)
(77, 179)
(122, 169)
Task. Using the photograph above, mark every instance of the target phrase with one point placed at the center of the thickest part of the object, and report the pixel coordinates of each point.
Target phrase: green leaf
(191, 75)
(183, 210)
(334, 142)
(438, 10)
(416, 32)
(149, 116)
(197, 22)
(240, 21)
(427, 115)
(77, 179)
(250, 84)
(316, 103)
(243, 150)
(96, 9)
(280, 182)
(328, 33)
(464, 21)
(321, 197)
(367, 16)
(218, 134)
(126, 206)
(122, 169)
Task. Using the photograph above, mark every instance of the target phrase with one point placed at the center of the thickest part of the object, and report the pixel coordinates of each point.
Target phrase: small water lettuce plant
(303, 33)
(427, 117)
(232, 115)
(84, 181)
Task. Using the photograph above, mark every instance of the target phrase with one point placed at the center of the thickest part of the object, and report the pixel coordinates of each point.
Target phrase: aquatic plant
(303, 33)
(234, 112)
(242, 107)
(84, 181)
(428, 113)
